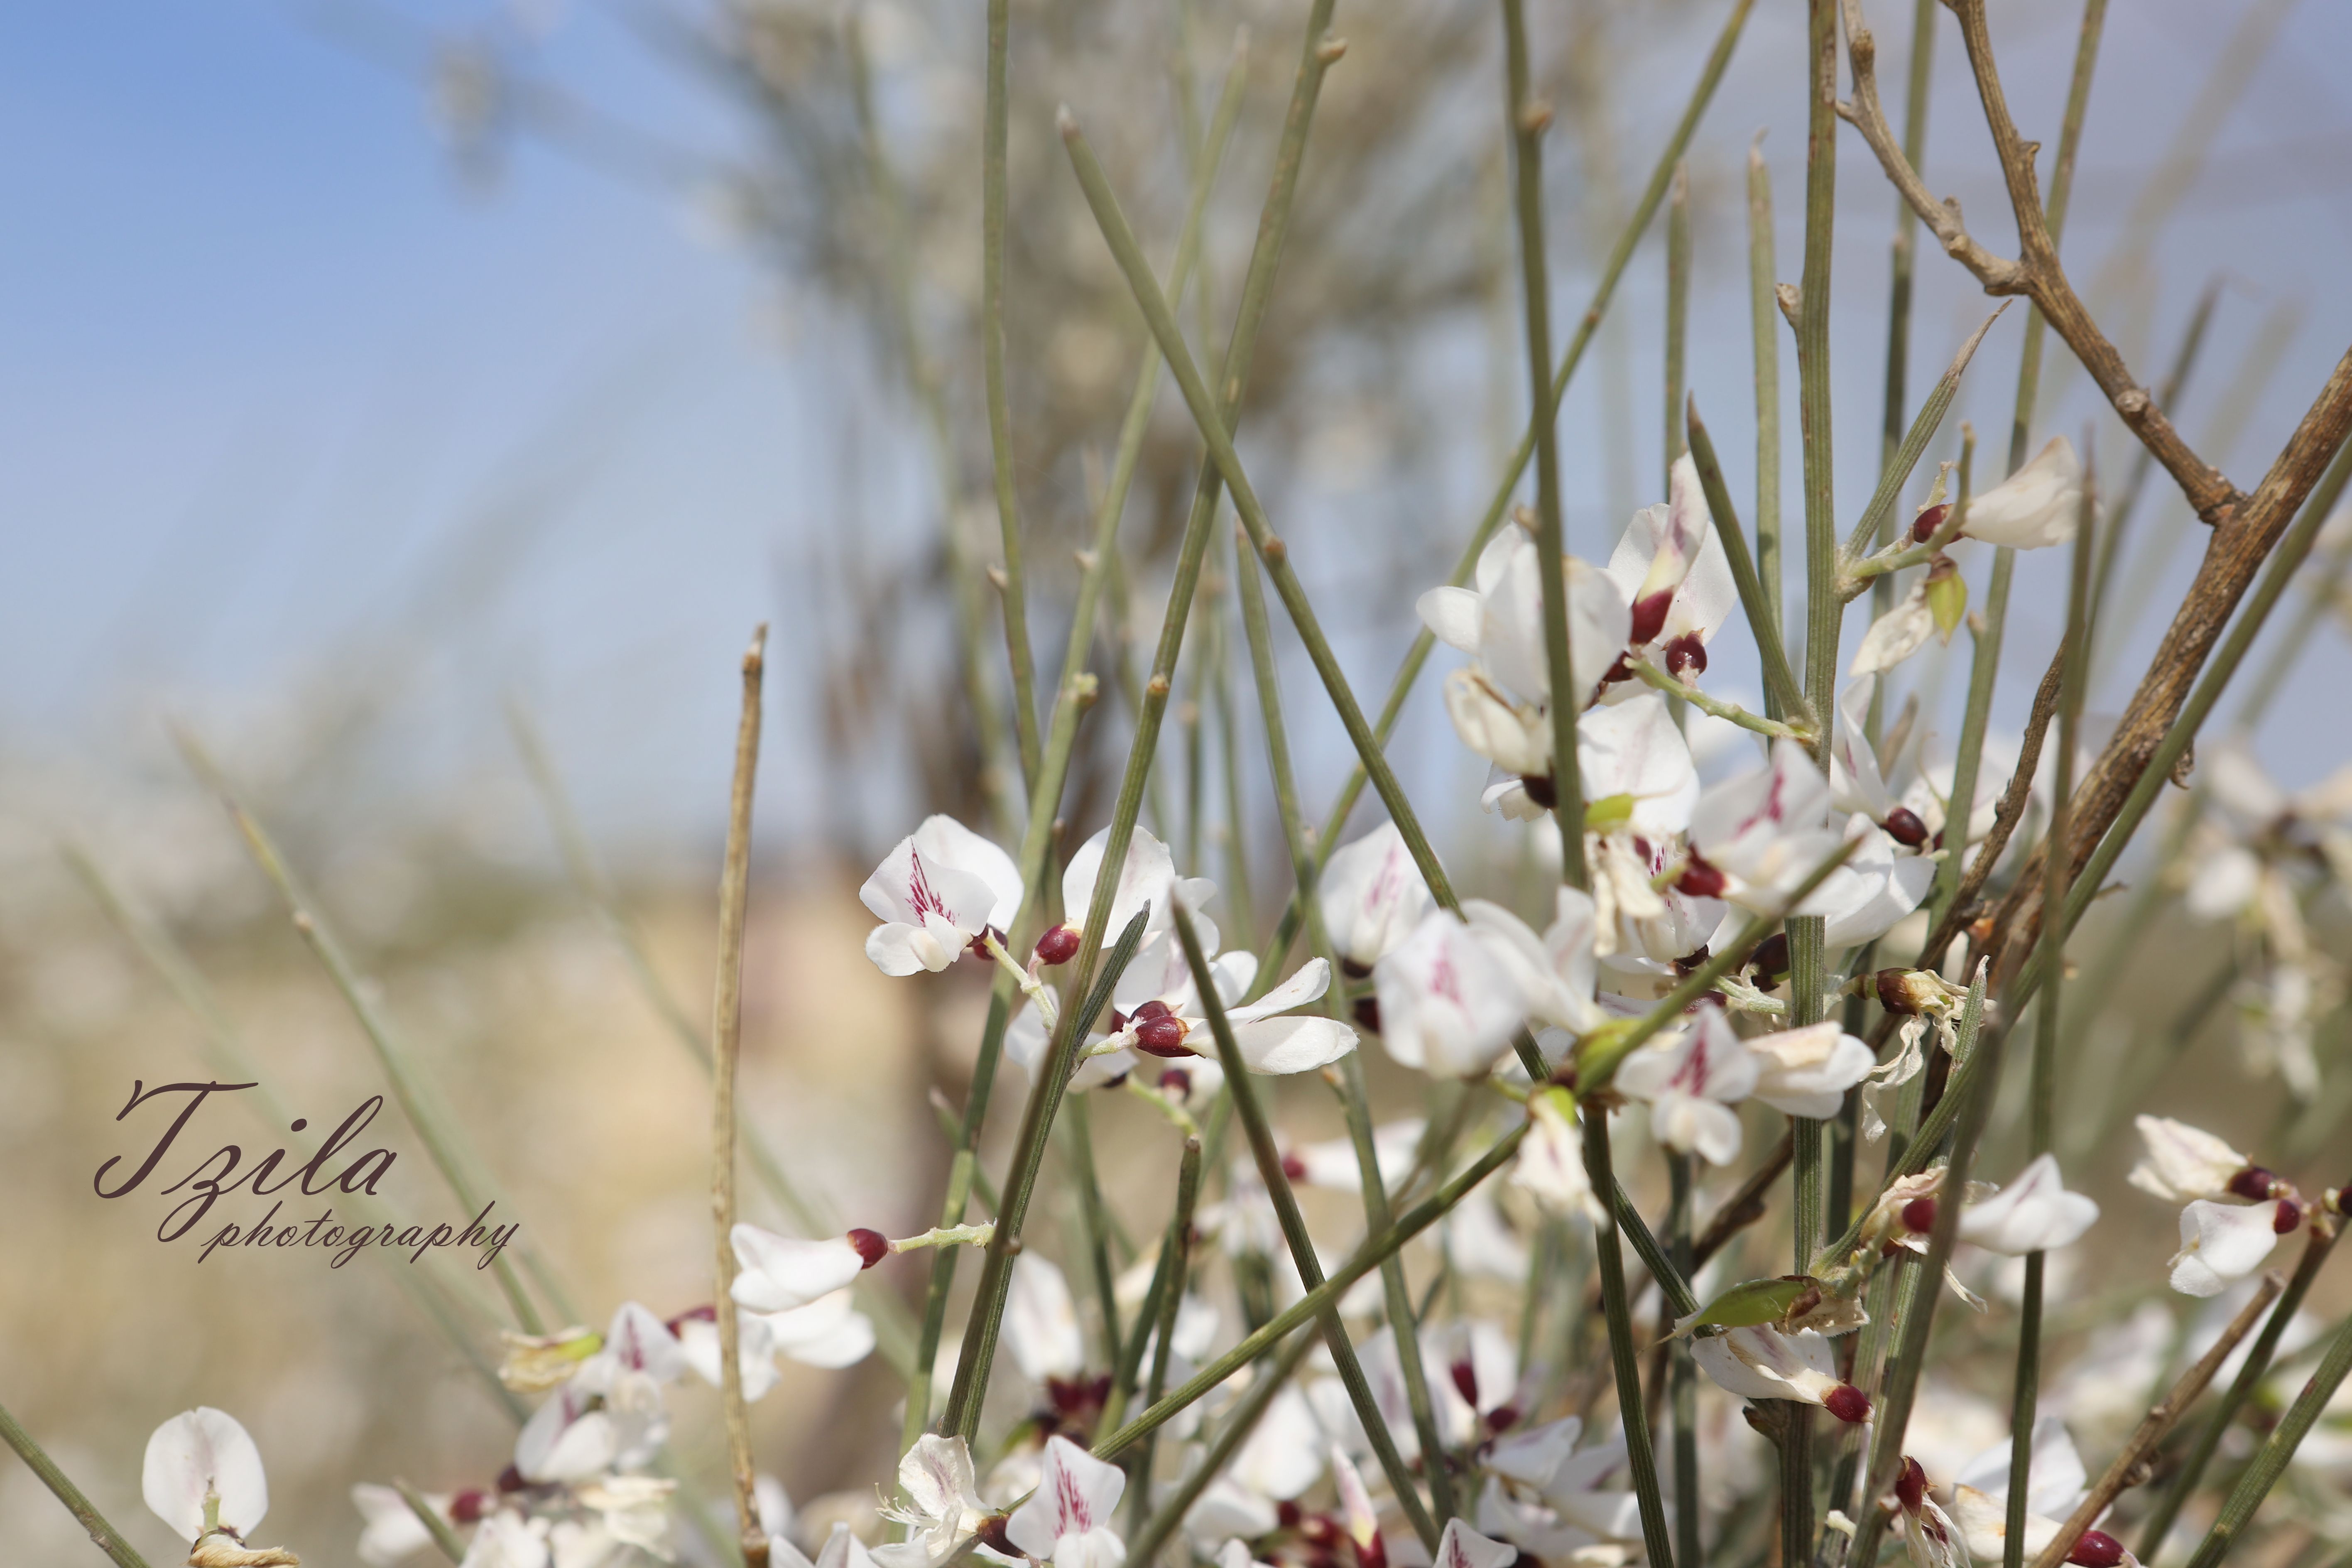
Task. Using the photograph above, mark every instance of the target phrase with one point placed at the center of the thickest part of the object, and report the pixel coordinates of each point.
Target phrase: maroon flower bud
(2254, 1185)
(1294, 1169)
(468, 1506)
(1770, 962)
(1700, 879)
(1155, 1008)
(1621, 672)
(1650, 616)
(1176, 1082)
(1911, 1485)
(1366, 1011)
(1909, 992)
(1465, 1382)
(2097, 1549)
(872, 1246)
(1287, 1514)
(1685, 656)
(1924, 526)
(1354, 971)
(1690, 964)
(2289, 1215)
(1057, 947)
(1919, 1215)
(1162, 1037)
(1503, 1417)
(1904, 827)
(991, 1535)
(511, 1480)
(1316, 1530)
(1848, 1404)
(1539, 789)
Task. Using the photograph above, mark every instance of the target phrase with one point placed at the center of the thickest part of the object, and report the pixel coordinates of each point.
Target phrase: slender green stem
(1077, 1133)
(1678, 279)
(1211, 420)
(1527, 120)
(1145, 1544)
(442, 1139)
(1682, 1373)
(1268, 1157)
(2254, 1484)
(1907, 228)
(1764, 332)
(2024, 1400)
(1984, 668)
(1759, 596)
(102, 1535)
(1980, 1054)
(1730, 712)
(444, 1539)
(1623, 1357)
(1880, 512)
(1176, 1254)
(993, 197)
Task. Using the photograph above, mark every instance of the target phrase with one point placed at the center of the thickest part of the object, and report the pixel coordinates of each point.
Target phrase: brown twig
(2036, 272)
(2129, 1466)
(727, 1040)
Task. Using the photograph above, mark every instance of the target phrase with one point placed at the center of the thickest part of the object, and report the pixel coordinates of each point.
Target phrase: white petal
(777, 1273)
(2035, 507)
(1075, 1496)
(1308, 984)
(2033, 1213)
(195, 1452)
(1041, 1320)
(1452, 615)
(1291, 1045)
(2219, 1243)
(1896, 634)
(899, 948)
(1372, 896)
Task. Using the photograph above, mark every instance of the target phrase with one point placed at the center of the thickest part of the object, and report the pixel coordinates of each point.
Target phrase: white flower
(1455, 991)
(1931, 1538)
(777, 1273)
(2222, 1242)
(828, 1332)
(2055, 1478)
(841, 1549)
(633, 1510)
(1671, 568)
(2034, 1212)
(1763, 1362)
(1766, 831)
(1041, 1320)
(1372, 897)
(1148, 881)
(2184, 1161)
(1331, 1165)
(1878, 886)
(1066, 1520)
(1550, 1164)
(1855, 782)
(2038, 505)
(1636, 750)
(1463, 1547)
(1896, 634)
(506, 1539)
(1806, 1072)
(1691, 1085)
(1283, 1456)
(1166, 1016)
(1500, 622)
(935, 893)
(391, 1531)
(203, 1452)
(942, 1499)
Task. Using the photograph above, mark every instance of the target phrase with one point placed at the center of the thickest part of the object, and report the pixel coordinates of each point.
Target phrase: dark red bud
(872, 1246)
(1373, 1554)
(2097, 1549)
(2254, 1184)
(1685, 656)
(1925, 525)
(1465, 1382)
(1911, 1485)
(1057, 947)
(1287, 1514)
(1650, 616)
(1155, 1008)
(991, 1535)
(1919, 1215)
(511, 1480)
(1503, 1417)
(1700, 879)
(1176, 1082)
(1904, 827)
(1895, 992)
(468, 1506)
(2289, 1215)
(1316, 1530)
(1540, 790)
(1161, 1036)
(1294, 1168)
(1690, 964)
(1366, 1010)
(1622, 670)
(1772, 959)
(1848, 1404)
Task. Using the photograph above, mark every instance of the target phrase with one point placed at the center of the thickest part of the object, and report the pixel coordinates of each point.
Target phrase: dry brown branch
(2036, 273)
(2127, 1470)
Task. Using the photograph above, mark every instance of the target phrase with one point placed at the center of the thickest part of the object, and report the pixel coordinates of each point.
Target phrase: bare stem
(102, 1535)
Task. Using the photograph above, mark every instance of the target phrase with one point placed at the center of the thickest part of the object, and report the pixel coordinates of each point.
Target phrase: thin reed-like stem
(1527, 120)
(2254, 1484)
(1881, 511)
(1172, 1280)
(1268, 1157)
(102, 1534)
(1093, 1226)
(1623, 1356)
(1678, 283)
(1239, 1422)
(445, 1540)
(726, 1050)
(1012, 587)
(1759, 593)
(1682, 1373)
(1765, 344)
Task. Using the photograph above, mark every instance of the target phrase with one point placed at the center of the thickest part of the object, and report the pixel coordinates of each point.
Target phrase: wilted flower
(935, 892)
(942, 1498)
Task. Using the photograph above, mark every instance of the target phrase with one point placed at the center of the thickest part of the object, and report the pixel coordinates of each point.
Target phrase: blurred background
(378, 381)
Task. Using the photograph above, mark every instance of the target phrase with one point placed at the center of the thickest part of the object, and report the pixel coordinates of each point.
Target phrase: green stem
(992, 196)
(102, 1535)
(1880, 512)
(1623, 1357)
(1764, 332)
(2259, 1476)
(1759, 596)
(1243, 1093)
(445, 1540)
(1730, 712)
(1681, 1374)
(1176, 1254)
(1527, 120)
(1144, 1543)
(1077, 1131)
(1678, 279)
(1984, 668)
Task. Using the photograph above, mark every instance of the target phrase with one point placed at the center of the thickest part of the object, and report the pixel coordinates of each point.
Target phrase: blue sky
(265, 352)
